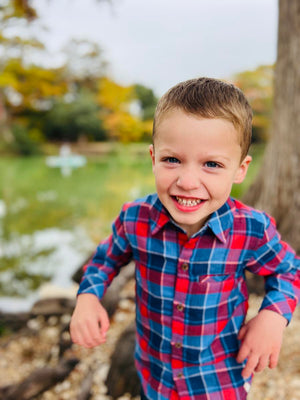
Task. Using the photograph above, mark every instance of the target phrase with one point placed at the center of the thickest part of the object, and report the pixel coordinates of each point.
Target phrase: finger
(262, 364)
(273, 360)
(104, 324)
(243, 353)
(250, 366)
(81, 339)
(93, 334)
(87, 334)
(242, 332)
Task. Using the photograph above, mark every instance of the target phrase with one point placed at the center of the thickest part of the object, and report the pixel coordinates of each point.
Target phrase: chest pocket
(214, 278)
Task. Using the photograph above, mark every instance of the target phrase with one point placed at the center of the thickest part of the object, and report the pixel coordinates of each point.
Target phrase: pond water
(45, 259)
(50, 223)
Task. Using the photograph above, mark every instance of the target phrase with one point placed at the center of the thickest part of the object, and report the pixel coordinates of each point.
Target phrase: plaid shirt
(191, 293)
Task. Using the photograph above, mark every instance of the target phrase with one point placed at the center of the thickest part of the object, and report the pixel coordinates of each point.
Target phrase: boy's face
(195, 162)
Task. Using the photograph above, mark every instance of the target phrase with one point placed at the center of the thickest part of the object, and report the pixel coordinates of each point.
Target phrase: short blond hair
(209, 98)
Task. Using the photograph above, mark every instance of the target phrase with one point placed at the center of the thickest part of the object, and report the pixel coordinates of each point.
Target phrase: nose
(188, 179)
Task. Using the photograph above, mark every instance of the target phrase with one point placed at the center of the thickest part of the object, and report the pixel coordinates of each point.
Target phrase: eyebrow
(209, 156)
(218, 156)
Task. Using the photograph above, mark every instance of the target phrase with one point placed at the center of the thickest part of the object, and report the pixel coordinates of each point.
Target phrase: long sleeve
(276, 261)
(111, 254)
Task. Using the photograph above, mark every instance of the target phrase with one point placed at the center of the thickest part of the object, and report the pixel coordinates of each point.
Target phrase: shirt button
(180, 375)
(179, 307)
(178, 345)
(185, 267)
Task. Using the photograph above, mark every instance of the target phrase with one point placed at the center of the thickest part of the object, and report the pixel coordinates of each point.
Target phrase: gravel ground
(39, 348)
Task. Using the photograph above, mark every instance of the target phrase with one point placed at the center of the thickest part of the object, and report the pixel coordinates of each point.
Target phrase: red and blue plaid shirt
(191, 293)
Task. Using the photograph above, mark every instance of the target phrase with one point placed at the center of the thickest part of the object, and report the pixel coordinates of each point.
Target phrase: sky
(158, 43)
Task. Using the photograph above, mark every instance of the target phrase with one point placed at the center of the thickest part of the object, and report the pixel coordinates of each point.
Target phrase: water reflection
(39, 209)
(28, 261)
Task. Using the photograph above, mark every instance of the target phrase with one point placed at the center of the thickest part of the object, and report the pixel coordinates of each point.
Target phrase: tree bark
(277, 187)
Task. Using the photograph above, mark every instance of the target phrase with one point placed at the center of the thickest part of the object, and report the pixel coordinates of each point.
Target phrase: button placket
(181, 290)
(185, 266)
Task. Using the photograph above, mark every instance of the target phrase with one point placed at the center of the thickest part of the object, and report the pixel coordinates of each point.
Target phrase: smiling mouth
(188, 202)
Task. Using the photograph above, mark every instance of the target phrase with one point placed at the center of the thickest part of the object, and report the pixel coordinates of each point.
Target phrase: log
(38, 381)
(86, 387)
(112, 296)
(53, 306)
(64, 342)
(13, 321)
(46, 307)
(122, 376)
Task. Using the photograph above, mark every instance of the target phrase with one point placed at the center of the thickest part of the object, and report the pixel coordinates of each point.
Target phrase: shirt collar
(220, 221)
(159, 216)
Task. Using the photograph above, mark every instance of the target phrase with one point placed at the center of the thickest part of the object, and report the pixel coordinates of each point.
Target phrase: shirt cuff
(277, 302)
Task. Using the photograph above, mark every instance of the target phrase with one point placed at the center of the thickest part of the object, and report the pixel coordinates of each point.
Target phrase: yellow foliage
(20, 9)
(147, 127)
(115, 101)
(8, 79)
(32, 83)
(113, 96)
(123, 126)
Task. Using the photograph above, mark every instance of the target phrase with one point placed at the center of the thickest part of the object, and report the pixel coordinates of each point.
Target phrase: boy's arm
(276, 261)
(262, 336)
(111, 254)
(90, 322)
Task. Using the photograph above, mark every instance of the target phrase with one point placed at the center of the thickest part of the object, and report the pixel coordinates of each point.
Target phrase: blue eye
(212, 164)
(171, 160)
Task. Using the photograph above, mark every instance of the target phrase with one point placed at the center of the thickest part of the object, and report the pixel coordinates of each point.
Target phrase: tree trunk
(277, 187)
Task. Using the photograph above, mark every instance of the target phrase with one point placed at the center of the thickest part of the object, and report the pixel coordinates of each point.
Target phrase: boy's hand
(89, 322)
(261, 342)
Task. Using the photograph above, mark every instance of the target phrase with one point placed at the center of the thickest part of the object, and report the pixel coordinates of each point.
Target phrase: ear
(151, 150)
(242, 170)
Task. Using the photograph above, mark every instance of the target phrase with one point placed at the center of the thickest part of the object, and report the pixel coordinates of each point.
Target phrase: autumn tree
(257, 85)
(12, 13)
(28, 89)
(120, 111)
(277, 187)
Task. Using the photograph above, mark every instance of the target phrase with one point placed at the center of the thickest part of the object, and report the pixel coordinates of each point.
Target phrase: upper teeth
(188, 202)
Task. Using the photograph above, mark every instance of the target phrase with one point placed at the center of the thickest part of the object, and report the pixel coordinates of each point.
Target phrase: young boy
(192, 243)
